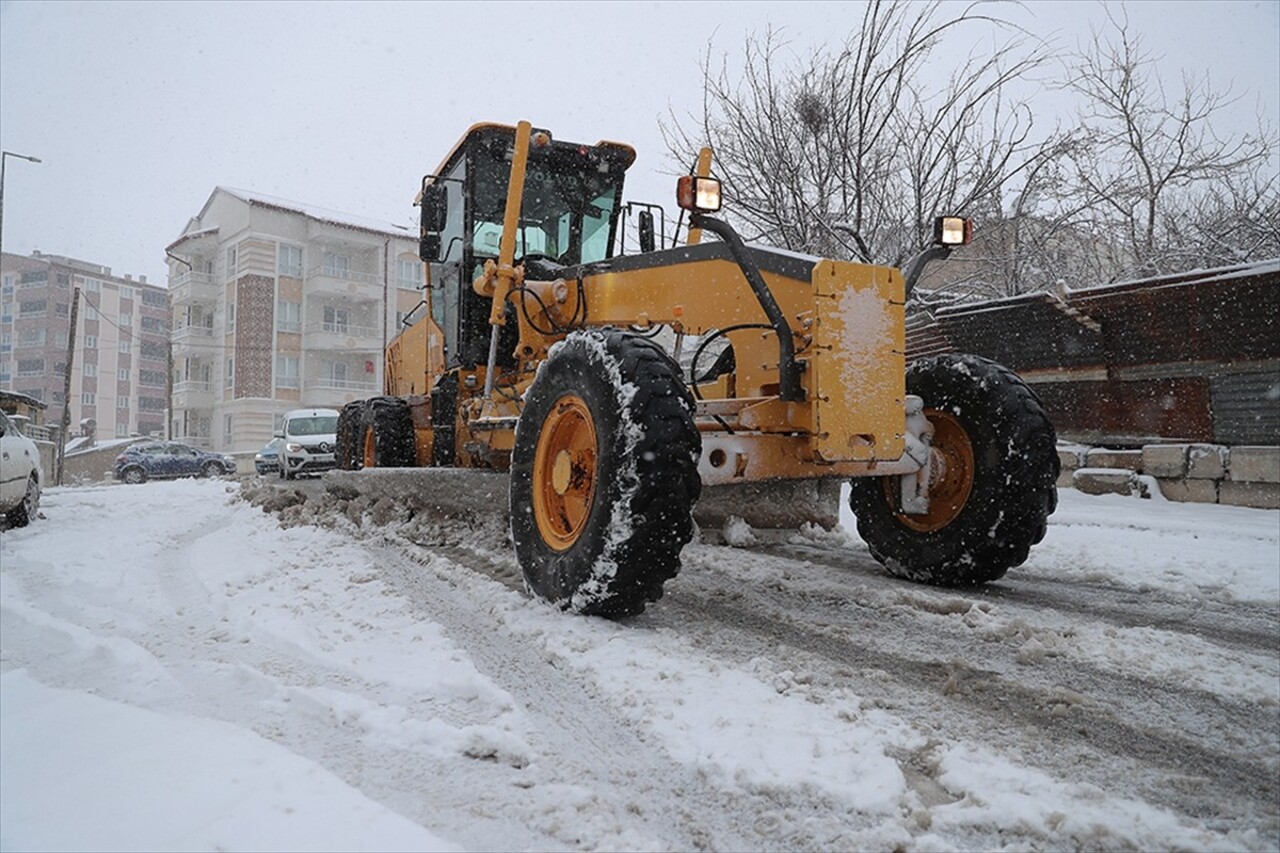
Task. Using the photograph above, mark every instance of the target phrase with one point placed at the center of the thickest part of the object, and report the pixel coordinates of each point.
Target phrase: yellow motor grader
(613, 387)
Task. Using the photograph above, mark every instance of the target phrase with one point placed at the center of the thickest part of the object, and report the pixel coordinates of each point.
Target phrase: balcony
(335, 281)
(193, 341)
(342, 336)
(201, 441)
(193, 288)
(334, 393)
(192, 395)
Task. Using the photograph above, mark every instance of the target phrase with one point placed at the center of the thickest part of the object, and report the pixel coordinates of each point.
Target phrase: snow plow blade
(459, 493)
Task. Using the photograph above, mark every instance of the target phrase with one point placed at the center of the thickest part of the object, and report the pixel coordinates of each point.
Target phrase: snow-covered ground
(182, 673)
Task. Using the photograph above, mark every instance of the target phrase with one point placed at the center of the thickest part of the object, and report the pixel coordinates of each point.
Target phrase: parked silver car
(21, 475)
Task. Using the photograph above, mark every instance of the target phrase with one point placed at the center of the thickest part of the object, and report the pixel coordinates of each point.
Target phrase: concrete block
(1206, 462)
(1189, 491)
(1069, 459)
(1101, 457)
(1254, 464)
(1257, 495)
(1104, 481)
(1165, 460)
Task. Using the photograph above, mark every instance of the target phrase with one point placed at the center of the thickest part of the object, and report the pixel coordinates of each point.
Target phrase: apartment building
(279, 305)
(119, 374)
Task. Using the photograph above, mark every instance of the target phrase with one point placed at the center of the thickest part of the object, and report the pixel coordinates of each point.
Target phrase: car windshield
(320, 425)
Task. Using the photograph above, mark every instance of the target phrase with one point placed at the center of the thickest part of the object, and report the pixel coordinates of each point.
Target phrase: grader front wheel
(992, 484)
(564, 472)
(604, 475)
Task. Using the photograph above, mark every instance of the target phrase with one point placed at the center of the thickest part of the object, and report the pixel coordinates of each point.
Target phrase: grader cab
(613, 387)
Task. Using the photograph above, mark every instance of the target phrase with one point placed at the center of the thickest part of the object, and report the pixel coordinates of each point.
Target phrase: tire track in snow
(1239, 625)
(1087, 724)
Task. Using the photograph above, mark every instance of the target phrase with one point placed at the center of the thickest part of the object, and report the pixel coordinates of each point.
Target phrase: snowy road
(180, 672)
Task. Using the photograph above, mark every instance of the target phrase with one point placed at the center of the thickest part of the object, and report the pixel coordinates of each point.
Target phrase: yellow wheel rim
(951, 481)
(369, 450)
(564, 472)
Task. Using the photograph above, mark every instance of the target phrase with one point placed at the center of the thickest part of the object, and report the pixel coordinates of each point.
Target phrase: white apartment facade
(119, 366)
(279, 305)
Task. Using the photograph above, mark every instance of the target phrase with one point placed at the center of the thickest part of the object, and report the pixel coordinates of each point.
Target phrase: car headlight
(293, 447)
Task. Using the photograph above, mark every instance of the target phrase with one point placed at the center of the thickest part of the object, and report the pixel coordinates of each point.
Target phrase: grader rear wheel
(604, 475)
(387, 437)
(993, 485)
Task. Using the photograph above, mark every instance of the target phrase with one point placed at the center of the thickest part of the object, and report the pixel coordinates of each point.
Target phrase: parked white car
(310, 438)
(21, 475)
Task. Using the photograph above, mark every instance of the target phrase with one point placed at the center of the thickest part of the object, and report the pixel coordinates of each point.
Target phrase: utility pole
(3, 155)
(66, 382)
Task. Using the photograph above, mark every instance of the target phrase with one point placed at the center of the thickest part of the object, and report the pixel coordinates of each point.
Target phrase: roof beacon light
(699, 194)
(952, 231)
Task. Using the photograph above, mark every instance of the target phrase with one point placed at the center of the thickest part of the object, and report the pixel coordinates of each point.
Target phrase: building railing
(190, 277)
(194, 440)
(344, 275)
(342, 384)
(184, 332)
(345, 329)
(191, 385)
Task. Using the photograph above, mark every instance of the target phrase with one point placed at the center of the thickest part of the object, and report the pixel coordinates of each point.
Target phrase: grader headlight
(952, 231)
(701, 195)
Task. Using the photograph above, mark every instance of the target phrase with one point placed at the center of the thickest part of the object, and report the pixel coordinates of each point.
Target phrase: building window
(122, 430)
(32, 307)
(88, 399)
(124, 347)
(155, 299)
(231, 262)
(290, 261)
(231, 317)
(228, 421)
(409, 274)
(231, 370)
(30, 366)
(335, 319)
(92, 285)
(90, 313)
(122, 403)
(90, 341)
(61, 309)
(31, 337)
(126, 320)
(126, 292)
(286, 371)
(122, 374)
(89, 370)
(277, 423)
(33, 278)
(335, 373)
(335, 265)
(289, 316)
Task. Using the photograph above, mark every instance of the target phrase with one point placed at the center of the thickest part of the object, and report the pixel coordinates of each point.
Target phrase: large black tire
(387, 440)
(25, 512)
(351, 421)
(134, 475)
(994, 502)
(604, 475)
(212, 469)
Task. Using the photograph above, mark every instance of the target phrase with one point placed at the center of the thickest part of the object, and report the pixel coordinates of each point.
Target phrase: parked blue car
(167, 460)
(267, 460)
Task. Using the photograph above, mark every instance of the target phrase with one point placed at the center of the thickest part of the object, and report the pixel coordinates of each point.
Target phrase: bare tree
(850, 153)
(1159, 180)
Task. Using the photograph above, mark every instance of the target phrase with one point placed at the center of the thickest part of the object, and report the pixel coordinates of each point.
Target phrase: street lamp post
(3, 156)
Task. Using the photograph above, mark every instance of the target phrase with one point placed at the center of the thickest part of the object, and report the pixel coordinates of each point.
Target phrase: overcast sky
(139, 110)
